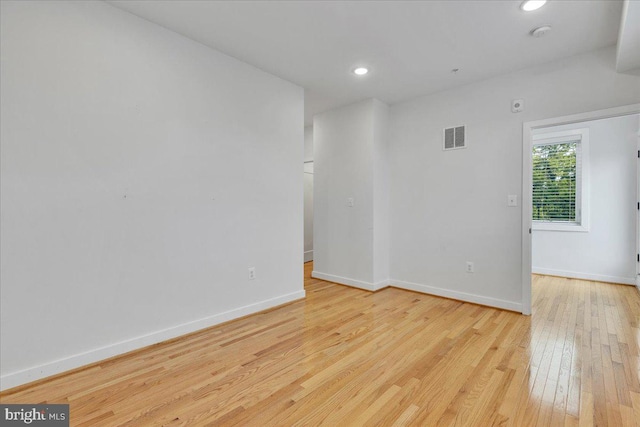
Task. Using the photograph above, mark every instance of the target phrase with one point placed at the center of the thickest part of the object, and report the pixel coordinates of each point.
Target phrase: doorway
(308, 194)
(553, 129)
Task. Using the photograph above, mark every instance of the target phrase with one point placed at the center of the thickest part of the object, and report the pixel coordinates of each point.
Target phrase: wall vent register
(454, 138)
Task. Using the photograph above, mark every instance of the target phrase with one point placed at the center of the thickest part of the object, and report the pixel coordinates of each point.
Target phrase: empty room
(341, 213)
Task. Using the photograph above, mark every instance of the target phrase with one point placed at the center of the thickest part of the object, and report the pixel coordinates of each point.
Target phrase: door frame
(638, 210)
(527, 171)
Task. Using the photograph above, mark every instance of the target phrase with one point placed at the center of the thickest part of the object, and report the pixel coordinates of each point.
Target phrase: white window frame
(581, 136)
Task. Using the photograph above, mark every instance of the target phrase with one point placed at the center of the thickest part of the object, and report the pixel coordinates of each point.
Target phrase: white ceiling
(409, 46)
(628, 58)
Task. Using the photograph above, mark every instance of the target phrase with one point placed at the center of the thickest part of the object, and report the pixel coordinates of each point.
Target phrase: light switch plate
(512, 200)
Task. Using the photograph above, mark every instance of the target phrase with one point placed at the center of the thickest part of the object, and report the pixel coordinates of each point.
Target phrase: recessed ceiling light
(360, 71)
(530, 5)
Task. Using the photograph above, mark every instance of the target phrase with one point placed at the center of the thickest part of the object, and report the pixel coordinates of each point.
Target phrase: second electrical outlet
(252, 273)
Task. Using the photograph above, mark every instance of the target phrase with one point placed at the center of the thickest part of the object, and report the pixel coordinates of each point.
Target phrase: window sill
(550, 226)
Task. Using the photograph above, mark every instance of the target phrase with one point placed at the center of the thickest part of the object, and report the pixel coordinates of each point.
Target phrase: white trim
(527, 215)
(367, 286)
(461, 296)
(559, 226)
(638, 211)
(382, 284)
(585, 276)
(559, 137)
(15, 379)
(527, 127)
(308, 256)
(425, 289)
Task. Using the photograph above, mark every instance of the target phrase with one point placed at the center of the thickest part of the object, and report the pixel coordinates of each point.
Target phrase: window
(560, 176)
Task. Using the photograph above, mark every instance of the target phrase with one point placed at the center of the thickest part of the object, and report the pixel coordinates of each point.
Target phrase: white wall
(308, 193)
(451, 207)
(349, 147)
(607, 251)
(380, 156)
(308, 143)
(142, 174)
(343, 169)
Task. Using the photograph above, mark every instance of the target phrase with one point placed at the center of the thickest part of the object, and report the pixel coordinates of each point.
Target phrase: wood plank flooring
(347, 357)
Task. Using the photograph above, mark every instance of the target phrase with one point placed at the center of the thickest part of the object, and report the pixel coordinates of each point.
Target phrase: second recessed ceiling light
(530, 5)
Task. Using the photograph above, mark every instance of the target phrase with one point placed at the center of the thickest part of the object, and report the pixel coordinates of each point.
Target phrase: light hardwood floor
(347, 357)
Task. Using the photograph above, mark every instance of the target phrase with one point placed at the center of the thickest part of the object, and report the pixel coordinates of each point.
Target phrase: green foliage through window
(554, 182)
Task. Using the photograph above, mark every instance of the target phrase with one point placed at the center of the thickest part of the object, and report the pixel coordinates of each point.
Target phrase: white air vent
(454, 138)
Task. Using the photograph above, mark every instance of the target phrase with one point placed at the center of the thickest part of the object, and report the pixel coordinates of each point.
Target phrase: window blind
(556, 192)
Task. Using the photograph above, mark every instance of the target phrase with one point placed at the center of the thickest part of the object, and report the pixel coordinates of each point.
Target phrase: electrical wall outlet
(470, 267)
(252, 273)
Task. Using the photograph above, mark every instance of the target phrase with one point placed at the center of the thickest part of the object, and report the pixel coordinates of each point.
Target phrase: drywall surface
(308, 143)
(308, 193)
(351, 222)
(380, 157)
(607, 251)
(450, 207)
(343, 171)
(142, 174)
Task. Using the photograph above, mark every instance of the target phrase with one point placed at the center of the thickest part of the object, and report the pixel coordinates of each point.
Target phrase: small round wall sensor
(540, 31)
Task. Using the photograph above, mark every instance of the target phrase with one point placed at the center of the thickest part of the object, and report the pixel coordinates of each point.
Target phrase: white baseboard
(425, 289)
(367, 286)
(308, 256)
(15, 379)
(382, 284)
(585, 276)
(461, 296)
